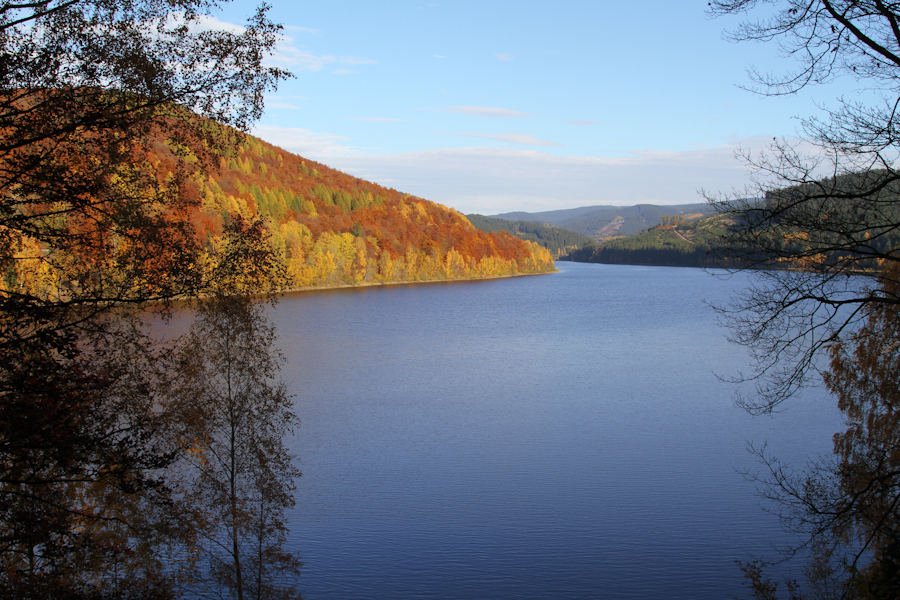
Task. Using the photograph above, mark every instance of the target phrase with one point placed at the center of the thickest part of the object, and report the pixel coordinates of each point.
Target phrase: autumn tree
(89, 229)
(865, 377)
(238, 474)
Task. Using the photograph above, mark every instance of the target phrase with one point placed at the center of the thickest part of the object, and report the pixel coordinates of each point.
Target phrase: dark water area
(559, 436)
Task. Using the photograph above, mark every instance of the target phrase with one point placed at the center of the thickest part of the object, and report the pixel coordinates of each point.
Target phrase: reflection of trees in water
(239, 477)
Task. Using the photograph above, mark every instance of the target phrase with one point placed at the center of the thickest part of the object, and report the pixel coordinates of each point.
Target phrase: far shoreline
(352, 286)
(181, 302)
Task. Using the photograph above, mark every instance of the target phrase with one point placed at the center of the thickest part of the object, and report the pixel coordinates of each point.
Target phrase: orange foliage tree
(397, 237)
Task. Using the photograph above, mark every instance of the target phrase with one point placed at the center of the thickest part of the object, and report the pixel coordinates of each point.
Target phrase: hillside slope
(334, 229)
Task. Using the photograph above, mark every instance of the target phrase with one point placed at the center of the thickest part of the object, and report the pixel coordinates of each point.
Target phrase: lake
(557, 436)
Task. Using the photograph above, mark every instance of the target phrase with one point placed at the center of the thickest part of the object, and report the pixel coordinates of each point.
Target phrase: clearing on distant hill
(675, 242)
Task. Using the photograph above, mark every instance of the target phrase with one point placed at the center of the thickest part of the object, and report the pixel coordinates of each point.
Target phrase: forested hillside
(334, 229)
(675, 242)
(826, 232)
(556, 239)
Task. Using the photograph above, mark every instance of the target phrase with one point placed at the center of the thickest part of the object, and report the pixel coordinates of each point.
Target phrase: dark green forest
(675, 243)
(556, 239)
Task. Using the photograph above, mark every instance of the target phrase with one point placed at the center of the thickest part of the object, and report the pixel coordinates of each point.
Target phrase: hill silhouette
(611, 221)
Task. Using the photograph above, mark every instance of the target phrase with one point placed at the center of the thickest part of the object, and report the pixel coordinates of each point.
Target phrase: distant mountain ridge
(608, 221)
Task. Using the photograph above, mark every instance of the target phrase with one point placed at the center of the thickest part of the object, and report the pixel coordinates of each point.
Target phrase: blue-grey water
(560, 436)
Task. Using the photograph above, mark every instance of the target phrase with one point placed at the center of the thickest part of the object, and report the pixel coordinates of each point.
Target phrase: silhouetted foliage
(821, 233)
(846, 506)
(821, 209)
(88, 89)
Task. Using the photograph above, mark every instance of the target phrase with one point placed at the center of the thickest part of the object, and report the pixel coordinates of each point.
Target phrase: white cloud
(487, 111)
(301, 29)
(288, 55)
(204, 23)
(304, 142)
(582, 122)
(378, 119)
(285, 55)
(496, 180)
(502, 56)
(515, 138)
(284, 105)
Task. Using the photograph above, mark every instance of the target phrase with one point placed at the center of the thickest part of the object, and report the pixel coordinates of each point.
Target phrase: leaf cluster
(335, 229)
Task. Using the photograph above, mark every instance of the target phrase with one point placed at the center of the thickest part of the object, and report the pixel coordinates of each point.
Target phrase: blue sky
(495, 106)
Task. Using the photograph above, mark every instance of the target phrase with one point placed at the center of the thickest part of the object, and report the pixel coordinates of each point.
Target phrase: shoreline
(353, 286)
(346, 286)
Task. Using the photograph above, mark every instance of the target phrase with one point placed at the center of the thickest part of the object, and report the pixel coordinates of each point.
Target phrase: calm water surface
(560, 436)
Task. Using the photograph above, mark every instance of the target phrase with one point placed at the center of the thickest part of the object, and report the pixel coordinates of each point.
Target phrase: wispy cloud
(502, 56)
(204, 23)
(581, 122)
(304, 142)
(286, 54)
(289, 56)
(495, 180)
(438, 56)
(514, 138)
(343, 72)
(378, 119)
(487, 111)
(301, 29)
(284, 105)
